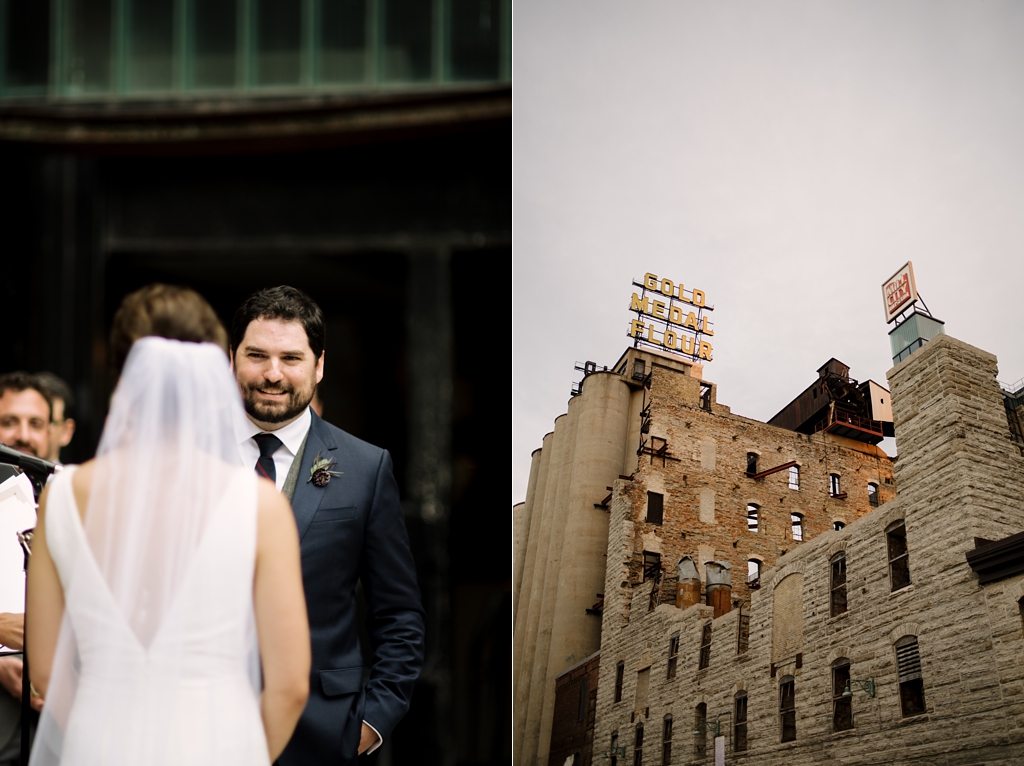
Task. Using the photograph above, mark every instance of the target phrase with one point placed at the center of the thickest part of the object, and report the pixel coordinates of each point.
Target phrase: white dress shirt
(291, 437)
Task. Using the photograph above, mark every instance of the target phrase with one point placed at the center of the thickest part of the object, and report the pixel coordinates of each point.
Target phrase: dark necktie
(268, 444)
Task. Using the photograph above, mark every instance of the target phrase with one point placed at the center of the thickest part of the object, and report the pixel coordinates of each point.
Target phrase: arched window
(837, 584)
(700, 731)
(794, 477)
(638, 746)
(666, 741)
(908, 669)
(739, 718)
(899, 557)
(797, 523)
(837, 525)
(873, 495)
(842, 696)
(753, 516)
(787, 709)
(753, 573)
(833, 484)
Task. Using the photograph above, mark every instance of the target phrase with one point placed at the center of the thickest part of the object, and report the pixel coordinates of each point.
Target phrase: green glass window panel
(88, 59)
(408, 40)
(215, 46)
(912, 334)
(27, 44)
(475, 41)
(150, 44)
(278, 40)
(342, 41)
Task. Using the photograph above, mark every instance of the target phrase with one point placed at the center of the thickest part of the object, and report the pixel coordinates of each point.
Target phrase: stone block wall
(959, 476)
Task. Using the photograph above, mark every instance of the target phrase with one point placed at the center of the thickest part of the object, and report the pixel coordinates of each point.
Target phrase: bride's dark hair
(166, 311)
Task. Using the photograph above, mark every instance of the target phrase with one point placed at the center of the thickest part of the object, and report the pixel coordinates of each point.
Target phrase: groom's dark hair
(285, 303)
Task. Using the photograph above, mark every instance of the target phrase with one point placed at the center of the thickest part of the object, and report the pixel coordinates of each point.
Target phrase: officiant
(26, 411)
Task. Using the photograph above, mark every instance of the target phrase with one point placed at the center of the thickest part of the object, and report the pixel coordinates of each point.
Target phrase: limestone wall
(959, 477)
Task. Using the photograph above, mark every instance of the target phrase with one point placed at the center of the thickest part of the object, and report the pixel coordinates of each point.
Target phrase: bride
(164, 587)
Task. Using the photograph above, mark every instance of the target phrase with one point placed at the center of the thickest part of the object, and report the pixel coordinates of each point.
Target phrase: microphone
(30, 464)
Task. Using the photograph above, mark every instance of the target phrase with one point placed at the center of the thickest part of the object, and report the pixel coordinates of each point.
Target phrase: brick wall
(572, 730)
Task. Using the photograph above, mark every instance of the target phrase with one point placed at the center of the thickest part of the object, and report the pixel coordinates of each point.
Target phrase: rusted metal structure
(836, 403)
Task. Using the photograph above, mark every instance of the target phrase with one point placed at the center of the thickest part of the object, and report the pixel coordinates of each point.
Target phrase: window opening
(787, 709)
(655, 507)
(753, 574)
(652, 565)
(620, 671)
(705, 397)
(873, 495)
(615, 749)
(666, 741)
(638, 747)
(797, 523)
(794, 477)
(751, 463)
(753, 511)
(739, 736)
(899, 559)
(833, 484)
(837, 584)
(639, 371)
(837, 525)
(842, 697)
(700, 730)
(908, 668)
(742, 632)
(673, 655)
(705, 647)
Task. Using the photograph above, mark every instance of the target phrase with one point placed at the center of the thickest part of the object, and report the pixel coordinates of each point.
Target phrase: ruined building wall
(960, 477)
(706, 492)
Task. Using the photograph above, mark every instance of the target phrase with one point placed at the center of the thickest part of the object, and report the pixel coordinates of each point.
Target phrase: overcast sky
(784, 157)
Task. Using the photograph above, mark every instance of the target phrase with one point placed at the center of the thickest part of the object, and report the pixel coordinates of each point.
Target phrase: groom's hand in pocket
(367, 739)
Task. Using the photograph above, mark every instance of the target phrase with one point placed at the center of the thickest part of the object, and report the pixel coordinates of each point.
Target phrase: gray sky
(784, 157)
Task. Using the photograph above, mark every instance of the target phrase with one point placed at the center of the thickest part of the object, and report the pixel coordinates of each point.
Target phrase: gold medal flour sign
(671, 317)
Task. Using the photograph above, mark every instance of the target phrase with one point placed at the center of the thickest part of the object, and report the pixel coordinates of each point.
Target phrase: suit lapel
(308, 496)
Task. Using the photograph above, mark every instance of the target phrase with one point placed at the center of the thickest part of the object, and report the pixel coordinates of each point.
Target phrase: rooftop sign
(670, 317)
(899, 291)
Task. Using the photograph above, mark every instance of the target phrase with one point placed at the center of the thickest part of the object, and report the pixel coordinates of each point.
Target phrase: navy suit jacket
(352, 530)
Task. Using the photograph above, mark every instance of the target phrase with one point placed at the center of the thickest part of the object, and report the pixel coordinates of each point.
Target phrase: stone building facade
(647, 468)
(873, 643)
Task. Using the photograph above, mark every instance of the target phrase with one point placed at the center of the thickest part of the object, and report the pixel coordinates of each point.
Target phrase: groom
(350, 525)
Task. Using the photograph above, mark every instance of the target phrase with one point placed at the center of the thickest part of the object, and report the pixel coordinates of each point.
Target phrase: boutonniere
(320, 472)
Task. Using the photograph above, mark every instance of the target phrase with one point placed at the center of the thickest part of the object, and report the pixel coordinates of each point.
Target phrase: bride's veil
(165, 463)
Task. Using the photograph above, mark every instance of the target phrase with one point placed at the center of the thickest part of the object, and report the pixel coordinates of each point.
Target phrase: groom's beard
(275, 412)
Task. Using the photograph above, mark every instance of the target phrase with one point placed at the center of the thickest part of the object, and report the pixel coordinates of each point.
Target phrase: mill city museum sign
(670, 317)
(899, 291)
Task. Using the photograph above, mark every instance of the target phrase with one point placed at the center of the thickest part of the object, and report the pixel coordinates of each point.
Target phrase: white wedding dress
(134, 713)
